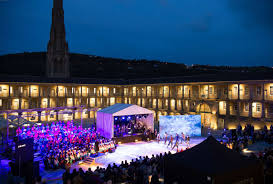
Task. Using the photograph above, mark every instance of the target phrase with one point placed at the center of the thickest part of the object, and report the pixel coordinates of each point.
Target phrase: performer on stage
(188, 141)
(176, 141)
(182, 137)
(171, 141)
(166, 137)
(158, 137)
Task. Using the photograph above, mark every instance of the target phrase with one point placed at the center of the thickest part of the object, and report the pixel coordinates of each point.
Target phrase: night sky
(214, 32)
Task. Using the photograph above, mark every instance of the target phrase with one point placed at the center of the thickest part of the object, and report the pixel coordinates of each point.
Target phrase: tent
(211, 162)
(105, 117)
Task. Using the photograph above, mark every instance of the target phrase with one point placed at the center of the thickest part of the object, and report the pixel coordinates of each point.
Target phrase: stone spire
(58, 65)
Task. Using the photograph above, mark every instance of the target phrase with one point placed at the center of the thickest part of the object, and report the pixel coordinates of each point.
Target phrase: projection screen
(188, 124)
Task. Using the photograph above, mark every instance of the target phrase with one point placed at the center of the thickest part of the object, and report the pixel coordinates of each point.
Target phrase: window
(271, 90)
(0, 89)
(259, 90)
(235, 89)
(224, 105)
(114, 90)
(258, 107)
(246, 91)
(210, 90)
(246, 107)
(235, 106)
(270, 110)
(0, 102)
(95, 90)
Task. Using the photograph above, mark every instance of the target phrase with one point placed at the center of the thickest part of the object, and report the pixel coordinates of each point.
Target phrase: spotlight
(136, 140)
(123, 117)
(116, 118)
(129, 117)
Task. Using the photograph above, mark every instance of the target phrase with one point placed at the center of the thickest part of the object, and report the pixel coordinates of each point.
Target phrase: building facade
(221, 104)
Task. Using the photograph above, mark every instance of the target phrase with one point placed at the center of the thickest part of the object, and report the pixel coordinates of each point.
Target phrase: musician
(97, 147)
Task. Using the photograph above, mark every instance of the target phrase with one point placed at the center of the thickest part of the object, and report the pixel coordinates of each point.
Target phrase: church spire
(57, 49)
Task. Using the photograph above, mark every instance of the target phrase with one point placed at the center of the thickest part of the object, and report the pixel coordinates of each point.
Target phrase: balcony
(4, 94)
(232, 96)
(34, 94)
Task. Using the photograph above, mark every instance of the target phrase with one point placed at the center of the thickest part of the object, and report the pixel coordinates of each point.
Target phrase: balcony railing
(4, 94)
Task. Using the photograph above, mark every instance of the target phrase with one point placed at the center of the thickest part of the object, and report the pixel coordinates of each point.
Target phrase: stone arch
(203, 108)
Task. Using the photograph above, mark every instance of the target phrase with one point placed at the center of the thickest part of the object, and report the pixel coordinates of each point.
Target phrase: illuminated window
(246, 91)
(235, 106)
(224, 105)
(235, 89)
(271, 90)
(258, 107)
(210, 90)
(259, 90)
(246, 107)
(114, 90)
(95, 90)
(0, 102)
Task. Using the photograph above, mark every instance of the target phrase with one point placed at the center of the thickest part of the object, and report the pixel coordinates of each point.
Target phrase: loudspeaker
(24, 151)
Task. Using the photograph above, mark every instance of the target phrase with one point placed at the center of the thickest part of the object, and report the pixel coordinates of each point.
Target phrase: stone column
(39, 116)
(7, 128)
(263, 110)
(238, 110)
(250, 110)
(239, 92)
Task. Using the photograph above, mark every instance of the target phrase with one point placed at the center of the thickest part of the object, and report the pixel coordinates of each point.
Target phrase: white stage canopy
(105, 117)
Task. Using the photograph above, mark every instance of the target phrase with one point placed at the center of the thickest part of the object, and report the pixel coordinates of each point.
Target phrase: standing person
(155, 134)
(188, 141)
(166, 137)
(176, 141)
(158, 137)
(171, 141)
(182, 137)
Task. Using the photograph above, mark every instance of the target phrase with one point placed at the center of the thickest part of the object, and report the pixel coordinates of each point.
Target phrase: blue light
(116, 118)
(123, 117)
(129, 117)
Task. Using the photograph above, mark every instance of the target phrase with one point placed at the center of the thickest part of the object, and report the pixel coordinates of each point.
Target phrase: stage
(131, 151)
(123, 152)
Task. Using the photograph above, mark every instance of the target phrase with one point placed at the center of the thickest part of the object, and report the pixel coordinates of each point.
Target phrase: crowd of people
(266, 157)
(240, 138)
(61, 144)
(142, 170)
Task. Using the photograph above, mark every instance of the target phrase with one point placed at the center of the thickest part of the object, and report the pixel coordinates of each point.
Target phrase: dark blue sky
(215, 32)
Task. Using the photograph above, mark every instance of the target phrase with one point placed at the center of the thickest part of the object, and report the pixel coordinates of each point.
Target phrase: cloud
(254, 13)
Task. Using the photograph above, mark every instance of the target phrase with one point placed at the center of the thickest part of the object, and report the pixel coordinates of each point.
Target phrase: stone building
(224, 97)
